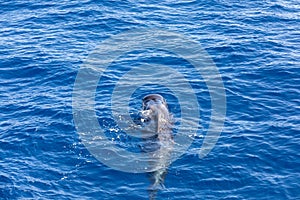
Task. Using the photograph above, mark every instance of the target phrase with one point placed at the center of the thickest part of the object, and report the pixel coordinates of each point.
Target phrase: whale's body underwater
(159, 121)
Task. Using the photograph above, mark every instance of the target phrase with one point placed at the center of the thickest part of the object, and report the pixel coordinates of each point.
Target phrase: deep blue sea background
(255, 45)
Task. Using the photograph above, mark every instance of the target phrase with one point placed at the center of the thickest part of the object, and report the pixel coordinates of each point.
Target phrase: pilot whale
(159, 121)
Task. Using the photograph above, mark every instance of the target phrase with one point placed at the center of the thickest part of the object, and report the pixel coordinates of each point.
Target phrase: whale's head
(155, 109)
(153, 100)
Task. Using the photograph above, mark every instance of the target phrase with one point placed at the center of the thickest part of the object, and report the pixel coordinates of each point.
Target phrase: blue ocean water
(255, 46)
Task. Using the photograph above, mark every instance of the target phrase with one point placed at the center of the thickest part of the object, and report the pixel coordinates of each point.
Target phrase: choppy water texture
(255, 45)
